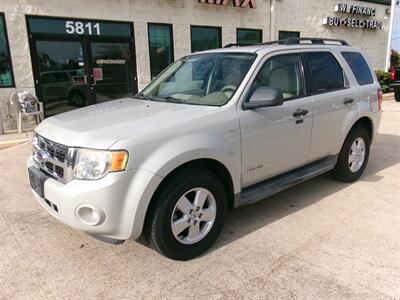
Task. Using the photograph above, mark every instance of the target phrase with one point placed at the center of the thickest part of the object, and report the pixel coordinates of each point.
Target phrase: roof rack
(296, 41)
(236, 45)
(319, 41)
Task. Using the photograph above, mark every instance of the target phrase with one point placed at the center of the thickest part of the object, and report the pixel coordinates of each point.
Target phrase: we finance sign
(235, 3)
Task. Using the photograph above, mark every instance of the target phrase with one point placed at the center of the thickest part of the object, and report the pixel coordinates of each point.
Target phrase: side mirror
(264, 97)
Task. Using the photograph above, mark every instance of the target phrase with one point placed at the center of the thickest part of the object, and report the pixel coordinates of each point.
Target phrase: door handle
(348, 101)
(300, 113)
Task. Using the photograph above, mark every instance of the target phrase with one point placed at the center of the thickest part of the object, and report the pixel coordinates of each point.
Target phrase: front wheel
(189, 214)
(353, 157)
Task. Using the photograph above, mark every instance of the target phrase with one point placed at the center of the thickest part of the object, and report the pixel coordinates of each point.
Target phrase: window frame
(261, 65)
(308, 75)
(170, 26)
(260, 31)
(210, 27)
(3, 17)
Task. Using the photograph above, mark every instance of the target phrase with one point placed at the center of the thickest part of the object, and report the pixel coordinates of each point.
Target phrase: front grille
(54, 150)
(52, 158)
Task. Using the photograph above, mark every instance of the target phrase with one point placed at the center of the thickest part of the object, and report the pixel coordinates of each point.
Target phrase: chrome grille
(53, 158)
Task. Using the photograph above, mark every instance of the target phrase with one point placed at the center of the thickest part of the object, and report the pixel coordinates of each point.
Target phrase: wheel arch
(367, 124)
(363, 121)
(213, 165)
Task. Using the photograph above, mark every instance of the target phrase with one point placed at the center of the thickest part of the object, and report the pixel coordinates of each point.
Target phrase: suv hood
(100, 126)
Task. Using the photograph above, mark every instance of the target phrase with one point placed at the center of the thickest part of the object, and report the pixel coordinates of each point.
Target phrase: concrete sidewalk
(319, 240)
(12, 139)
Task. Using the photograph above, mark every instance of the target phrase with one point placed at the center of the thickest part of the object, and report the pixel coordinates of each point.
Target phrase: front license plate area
(37, 179)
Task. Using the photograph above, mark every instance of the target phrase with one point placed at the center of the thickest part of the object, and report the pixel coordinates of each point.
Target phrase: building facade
(74, 53)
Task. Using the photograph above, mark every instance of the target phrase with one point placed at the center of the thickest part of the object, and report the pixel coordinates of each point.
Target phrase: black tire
(76, 98)
(342, 171)
(397, 96)
(159, 223)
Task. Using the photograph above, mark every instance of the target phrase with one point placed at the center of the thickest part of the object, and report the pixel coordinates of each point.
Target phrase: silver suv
(216, 130)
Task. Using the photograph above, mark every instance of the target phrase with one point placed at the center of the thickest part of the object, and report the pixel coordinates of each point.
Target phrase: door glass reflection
(61, 76)
(112, 70)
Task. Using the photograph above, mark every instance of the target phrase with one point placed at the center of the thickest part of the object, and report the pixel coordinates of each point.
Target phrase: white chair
(27, 105)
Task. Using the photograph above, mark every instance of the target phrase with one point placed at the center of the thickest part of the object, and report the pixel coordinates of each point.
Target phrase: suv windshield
(204, 79)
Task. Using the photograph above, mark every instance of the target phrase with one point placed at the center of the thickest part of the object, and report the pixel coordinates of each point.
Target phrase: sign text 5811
(77, 27)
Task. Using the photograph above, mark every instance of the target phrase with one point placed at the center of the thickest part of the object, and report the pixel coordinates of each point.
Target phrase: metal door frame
(86, 41)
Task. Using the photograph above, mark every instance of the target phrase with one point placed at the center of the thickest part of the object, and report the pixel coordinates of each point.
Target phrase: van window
(282, 72)
(359, 66)
(324, 72)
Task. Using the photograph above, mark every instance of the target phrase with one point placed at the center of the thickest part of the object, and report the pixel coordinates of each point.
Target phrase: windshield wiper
(145, 97)
(174, 100)
(159, 98)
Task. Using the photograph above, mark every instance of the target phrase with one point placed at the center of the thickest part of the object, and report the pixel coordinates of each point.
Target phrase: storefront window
(161, 48)
(248, 36)
(283, 35)
(6, 76)
(204, 38)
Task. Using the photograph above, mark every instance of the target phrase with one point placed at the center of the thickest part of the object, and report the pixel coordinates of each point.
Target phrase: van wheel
(353, 157)
(189, 214)
(397, 96)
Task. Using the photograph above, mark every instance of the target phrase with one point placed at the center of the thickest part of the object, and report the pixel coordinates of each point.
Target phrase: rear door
(333, 100)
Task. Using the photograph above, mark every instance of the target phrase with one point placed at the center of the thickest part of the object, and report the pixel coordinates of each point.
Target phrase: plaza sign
(354, 22)
(236, 3)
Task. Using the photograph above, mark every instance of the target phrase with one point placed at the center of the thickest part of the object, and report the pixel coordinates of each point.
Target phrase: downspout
(272, 34)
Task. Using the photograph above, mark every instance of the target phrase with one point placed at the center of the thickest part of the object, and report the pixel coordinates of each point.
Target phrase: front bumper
(105, 207)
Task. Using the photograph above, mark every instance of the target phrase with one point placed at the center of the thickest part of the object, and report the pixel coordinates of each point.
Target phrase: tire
(77, 99)
(346, 171)
(397, 96)
(189, 183)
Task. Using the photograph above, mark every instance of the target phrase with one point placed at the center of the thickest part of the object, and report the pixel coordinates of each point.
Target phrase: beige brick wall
(180, 13)
(306, 16)
(299, 15)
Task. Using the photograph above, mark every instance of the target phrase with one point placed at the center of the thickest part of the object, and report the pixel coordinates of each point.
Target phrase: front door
(277, 139)
(81, 62)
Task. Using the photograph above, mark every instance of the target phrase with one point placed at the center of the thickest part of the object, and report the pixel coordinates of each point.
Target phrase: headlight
(95, 164)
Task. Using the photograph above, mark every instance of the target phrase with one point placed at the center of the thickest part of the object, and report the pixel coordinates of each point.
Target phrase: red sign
(98, 73)
(236, 3)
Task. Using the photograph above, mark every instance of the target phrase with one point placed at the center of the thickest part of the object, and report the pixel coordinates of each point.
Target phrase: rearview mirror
(264, 97)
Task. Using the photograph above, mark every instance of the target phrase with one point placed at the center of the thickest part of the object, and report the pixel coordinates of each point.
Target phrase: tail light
(380, 99)
(392, 74)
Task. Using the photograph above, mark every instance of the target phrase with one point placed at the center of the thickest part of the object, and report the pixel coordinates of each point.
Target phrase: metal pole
(272, 18)
(389, 45)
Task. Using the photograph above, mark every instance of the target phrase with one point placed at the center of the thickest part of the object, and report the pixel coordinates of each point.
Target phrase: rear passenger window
(324, 72)
(359, 66)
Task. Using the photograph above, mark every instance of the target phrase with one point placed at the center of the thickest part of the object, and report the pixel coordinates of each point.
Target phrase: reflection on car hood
(99, 126)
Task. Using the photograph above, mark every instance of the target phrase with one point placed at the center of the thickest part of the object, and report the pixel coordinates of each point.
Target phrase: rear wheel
(188, 215)
(397, 96)
(353, 157)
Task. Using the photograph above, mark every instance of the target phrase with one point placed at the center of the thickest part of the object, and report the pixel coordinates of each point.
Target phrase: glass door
(61, 75)
(111, 75)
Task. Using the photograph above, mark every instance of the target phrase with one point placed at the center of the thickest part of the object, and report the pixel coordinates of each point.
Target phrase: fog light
(90, 215)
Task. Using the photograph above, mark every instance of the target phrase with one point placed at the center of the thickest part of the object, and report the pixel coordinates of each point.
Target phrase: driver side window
(282, 72)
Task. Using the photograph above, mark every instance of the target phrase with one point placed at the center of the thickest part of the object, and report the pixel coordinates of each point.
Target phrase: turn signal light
(119, 159)
(392, 74)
